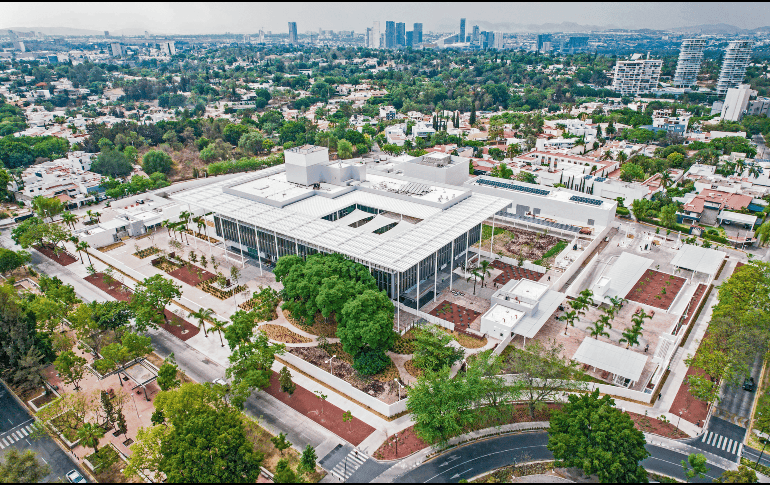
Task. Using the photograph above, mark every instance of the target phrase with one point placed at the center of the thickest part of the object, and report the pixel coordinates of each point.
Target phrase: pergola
(698, 259)
(141, 374)
(611, 358)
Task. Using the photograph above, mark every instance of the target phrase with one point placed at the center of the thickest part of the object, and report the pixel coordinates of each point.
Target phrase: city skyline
(133, 18)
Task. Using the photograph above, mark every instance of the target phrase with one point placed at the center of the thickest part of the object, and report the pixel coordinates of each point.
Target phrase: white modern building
(736, 102)
(521, 307)
(688, 66)
(66, 178)
(736, 59)
(636, 76)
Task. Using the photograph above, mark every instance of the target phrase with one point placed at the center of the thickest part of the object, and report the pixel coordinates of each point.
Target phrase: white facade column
(435, 275)
(296, 245)
(467, 247)
(451, 265)
(398, 299)
(259, 257)
(189, 209)
(417, 304)
(275, 235)
(492, 242)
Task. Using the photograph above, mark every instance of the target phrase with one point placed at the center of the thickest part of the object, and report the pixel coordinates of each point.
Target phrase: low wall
(574, 267)
(343, 387)
(428, 317)
(616, 391)
(513, 262)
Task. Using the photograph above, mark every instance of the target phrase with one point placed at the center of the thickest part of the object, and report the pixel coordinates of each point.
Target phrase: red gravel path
(695, 410)
(63, 258)
(408, 443)
(651, 289)
(513, 273)
(457, 314)
(190, 276)
(307, 403)
(183, 331)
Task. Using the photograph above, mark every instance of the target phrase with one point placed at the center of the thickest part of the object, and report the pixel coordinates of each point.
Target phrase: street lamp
(680, 419)
(331, 368)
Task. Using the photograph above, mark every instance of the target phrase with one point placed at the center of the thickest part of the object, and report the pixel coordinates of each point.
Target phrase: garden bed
(510, 272)
(64, 424)
(656, 289)
(112, 246)
(408, 443)
(43, 399)
(457, 314)
(412, 369)
(115, 288)
(386, 375)
(192, 275)
(62, 257)
(202, 236)
(516, 243)
(324, 413)
(320, 327)
(404, 344)
(510, 473)
(386, 392)
(465, 340)
(656, 426)
(260, 438)
(283, 334)
(208, 287)
(146, 252)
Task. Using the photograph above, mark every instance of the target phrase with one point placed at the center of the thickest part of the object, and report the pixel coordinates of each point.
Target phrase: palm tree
(754, 171)
(82, 247)
(218, 326)
(167, 225)
(631, 336)
(569, 319)
(617, 303)
(484, 270)
(69, 219)
(665, 179)
(89, 434)
(90, 215)
(597, 330)
(202, 315)
(473, 271)
(586, 296)
(639, 318)
(184, 219)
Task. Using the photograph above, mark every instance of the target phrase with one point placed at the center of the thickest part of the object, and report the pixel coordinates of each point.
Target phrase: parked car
(219, 380)
(74, 476)
(748, 384)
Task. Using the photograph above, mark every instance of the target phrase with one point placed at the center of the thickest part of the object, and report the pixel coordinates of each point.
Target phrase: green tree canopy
(156, 161)
(18, 467)
(112, 163)
(150, 299)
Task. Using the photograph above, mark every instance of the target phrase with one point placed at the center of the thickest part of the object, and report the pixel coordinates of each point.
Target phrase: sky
(247, 18)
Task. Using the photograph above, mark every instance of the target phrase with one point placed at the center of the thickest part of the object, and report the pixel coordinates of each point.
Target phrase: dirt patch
(178, 327)
(459, 315)
(400, 445)
(693, 410)
(510, 272)
(324, 413)
(320, 326)
(43, 399)
(467, 341)
(515, 243)
(283, 334)
(412, 369)
(61, 257)
(656, 289)
(656, 426)
(189, 274)
(384, 391)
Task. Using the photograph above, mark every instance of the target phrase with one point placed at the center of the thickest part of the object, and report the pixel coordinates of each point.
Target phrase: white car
(74, 476)
(219, 381)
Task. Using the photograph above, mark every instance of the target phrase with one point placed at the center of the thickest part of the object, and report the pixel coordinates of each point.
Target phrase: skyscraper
(737, 57)
(636, 75)
(390, 34)
(418, 33)
(400, 34)
(542, 39)
(292, 32)
(409, 38)
(461, 37)
(375, 43)
(690, 57)
(475, 35)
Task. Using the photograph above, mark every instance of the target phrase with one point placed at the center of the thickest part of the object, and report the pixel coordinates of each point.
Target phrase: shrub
(156, 161)
(371, 361)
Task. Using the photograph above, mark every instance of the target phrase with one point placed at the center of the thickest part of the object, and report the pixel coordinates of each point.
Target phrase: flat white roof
(398, 250)
(737, 217)
(318, 206)
(696, 258)
(504, 316)
(622, 275)
(611, 358)
(531, 290)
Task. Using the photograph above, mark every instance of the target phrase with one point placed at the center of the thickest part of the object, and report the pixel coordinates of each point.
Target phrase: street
(15, 427)
(486, 455)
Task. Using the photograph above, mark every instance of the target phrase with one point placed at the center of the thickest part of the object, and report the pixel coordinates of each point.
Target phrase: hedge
(714, 238)
(243, 165)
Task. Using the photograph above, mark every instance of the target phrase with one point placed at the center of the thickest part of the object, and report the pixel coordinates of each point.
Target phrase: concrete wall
(454, 174)
(616, 391)
(345, 388)
(580, 259)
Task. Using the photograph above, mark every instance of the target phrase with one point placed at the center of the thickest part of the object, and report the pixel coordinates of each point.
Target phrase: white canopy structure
(611, 358)
(698, 259)
(353, 217)
(621, 277)
(730, 217)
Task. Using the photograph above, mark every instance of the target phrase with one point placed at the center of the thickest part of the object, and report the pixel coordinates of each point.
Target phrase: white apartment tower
(375, 37)
(737, 57)
(636, 76)
(690, 57)
(736, 102)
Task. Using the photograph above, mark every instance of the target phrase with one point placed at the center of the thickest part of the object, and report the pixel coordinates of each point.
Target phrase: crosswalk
(722, 442)
(354, 461)
(17, 434)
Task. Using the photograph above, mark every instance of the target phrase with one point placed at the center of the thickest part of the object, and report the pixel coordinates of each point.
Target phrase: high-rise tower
(690, 57)
(737, 57)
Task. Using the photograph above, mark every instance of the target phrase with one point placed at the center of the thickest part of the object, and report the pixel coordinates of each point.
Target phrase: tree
(347, 417)
(344, 149)
(250, 363)
(47, 208)
(122, 427)
(218, 326)
(668, 215)
(202, 315)
(597, 330)
(233, 133)
(251, 143)
(366, 322)
(167, 374)
(631, 336)
(433, 350)
(206, 440)
(71, 367)
(89, 434)
(112, 163)
(29, 370)
(117, 355)
(473, 273)
(544, 374)
(569, 319)
(591, 434)
(82, 247)
(18, 467)
(284, 378)
(146, 453)
(280, 442)
(284, 473)
(501, 171)
(436, 402)
(630, 171)
(156, 161)
(695, 466)
(150, 298)
(11, 260)
(743, 474)
(307, 461)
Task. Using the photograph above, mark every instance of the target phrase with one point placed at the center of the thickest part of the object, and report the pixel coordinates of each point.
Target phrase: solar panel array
(414, 188)
(585, 200)
(601, 179)
(520, 188)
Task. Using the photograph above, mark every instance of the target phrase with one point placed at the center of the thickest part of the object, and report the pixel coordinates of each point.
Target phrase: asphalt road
(487, 455)
(14, 422)
(762, 151)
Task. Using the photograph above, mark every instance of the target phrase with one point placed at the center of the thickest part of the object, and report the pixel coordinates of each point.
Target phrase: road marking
(24, 430)
(9, 420)
(711, 435)
(675, 464)
(719, 442)
(10, 438)
(484, 456)
(740, 447)
(43, 460)
(4, 442)
(458, 474)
